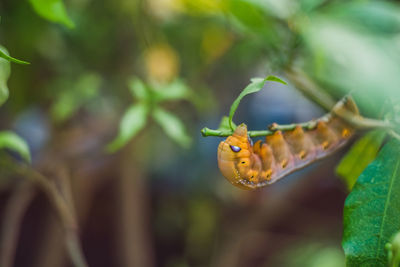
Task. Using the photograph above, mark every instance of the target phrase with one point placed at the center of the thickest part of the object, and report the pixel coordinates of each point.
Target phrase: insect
(253, 166)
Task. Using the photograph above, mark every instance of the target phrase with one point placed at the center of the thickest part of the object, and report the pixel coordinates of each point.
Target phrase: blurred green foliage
(149, 98)
(394, 250)
(52, 10)
(11, 141)
(313, 254)
(4, 75)
(75, 95)
(183, 62)
(360, 155)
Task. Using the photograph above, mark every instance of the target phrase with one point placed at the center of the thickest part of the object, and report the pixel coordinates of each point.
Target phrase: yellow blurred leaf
(162, 63)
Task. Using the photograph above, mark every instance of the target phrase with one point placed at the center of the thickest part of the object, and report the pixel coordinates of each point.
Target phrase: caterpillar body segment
(253, 166)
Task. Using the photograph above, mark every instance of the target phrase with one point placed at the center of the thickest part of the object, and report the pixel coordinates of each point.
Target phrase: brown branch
(310, 89)
(134, 234)
(313, 92)
(65, 213)
(62, 207)
(13, 215)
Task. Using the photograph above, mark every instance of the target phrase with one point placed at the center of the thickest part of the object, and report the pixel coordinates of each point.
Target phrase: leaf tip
(273, 78)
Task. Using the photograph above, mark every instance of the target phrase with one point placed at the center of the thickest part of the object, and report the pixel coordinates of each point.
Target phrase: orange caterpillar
(253, 166)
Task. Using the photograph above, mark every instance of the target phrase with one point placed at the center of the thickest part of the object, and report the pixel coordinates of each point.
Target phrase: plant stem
(311, 90)
(356, 121)
(65, 213)
(61, 206)
(272, 129)
(315, 93)
(210, 132)
(14, 212)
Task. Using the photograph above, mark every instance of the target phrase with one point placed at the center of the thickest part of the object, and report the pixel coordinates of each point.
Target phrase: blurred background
(112, 106)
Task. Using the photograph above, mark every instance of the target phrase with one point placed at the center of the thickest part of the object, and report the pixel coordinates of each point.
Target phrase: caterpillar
(249, 166)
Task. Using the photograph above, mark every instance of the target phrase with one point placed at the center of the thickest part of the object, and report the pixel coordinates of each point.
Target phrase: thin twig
(272, 128)
(315, 93)
(134, 220)
(394, 134)
(13, 215)
(306, 86)
(65, 213)
(61, 206)
(356, 121)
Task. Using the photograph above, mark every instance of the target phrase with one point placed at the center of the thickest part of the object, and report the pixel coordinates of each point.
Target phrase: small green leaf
(52, 10)
(131, 123)
(224, 124)
(248, 14)
(275, 79)
(176, 90)
(5, 71)
(172, 126)
(394, 250)
(372, 210)
(7, 57)
(11, 141)
(256, 85)
(360, 155)
(138, 89)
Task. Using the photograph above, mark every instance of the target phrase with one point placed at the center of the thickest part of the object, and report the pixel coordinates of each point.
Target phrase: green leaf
(248, 14)
(11, 141)
(52, 10)
(7, 57)
(172, 126)
(131, 123)
(5, 71)
(275, 79)
(176, 90)
(256, 85)
(394, 251)
(138, 89)
(360, 155)
(224, 124)
(372, 210)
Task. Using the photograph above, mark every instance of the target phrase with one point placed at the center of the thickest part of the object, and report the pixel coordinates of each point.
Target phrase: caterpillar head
(236, 159)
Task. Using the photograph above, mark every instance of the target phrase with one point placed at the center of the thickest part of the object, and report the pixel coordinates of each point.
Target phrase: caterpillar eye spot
(235, 148)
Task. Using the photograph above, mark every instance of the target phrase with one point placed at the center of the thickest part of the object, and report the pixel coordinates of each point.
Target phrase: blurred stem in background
(14, 213)
(133, 227)
(60, 197)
